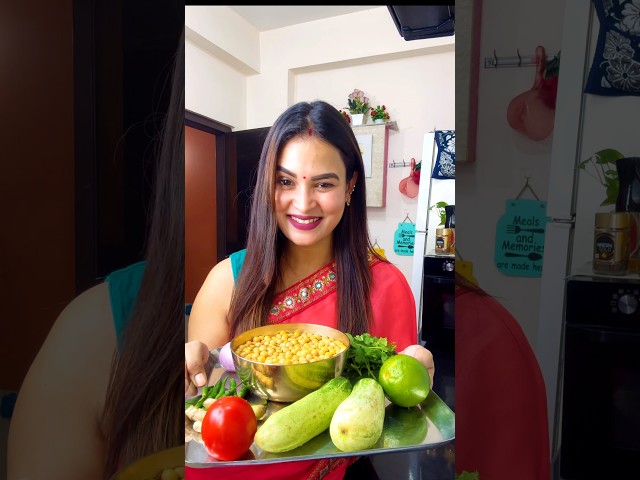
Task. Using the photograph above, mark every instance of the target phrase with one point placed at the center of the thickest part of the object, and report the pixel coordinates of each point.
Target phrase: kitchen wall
(245, 79)
(504, 158)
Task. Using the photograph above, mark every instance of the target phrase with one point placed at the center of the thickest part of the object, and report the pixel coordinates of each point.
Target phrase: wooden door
(200, 209)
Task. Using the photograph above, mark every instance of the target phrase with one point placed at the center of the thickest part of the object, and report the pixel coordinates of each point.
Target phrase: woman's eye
(324, 185)
(285, 182)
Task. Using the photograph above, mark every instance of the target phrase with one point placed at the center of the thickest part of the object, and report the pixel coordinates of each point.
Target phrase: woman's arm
(208, 327)
(55, 429)
(208, 318)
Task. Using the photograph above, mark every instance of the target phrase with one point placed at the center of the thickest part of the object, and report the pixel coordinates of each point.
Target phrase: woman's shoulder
(84, 327)
(388, 282)
(384, 268)
(72, 367)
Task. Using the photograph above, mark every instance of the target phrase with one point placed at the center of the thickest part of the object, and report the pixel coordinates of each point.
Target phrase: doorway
(202, 175)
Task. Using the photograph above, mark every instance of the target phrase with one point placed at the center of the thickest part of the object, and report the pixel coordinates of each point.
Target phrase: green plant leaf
(608, 155)
(612, 191)
(601, 169)
(611, 183)
(438, 208)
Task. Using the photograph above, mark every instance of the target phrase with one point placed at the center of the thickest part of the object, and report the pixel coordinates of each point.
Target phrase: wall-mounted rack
(395, 164)
(517, 61)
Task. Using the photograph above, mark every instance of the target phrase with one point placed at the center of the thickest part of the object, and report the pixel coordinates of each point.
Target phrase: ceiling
(277, 16)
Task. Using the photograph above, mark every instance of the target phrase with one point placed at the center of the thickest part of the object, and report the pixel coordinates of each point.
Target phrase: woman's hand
(196, 355)
(425, 357)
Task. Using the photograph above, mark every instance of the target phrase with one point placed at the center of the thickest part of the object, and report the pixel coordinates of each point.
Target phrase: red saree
(313, 300)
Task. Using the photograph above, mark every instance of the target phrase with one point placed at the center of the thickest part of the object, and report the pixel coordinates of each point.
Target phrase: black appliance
(601, 378)
(415, 22)
(438, 302)
(628, 199)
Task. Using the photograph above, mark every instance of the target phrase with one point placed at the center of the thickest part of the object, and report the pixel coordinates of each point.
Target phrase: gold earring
(350, 193)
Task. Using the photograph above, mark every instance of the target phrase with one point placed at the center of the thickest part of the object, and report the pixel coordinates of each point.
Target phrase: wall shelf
(373, 139)
(391, 125)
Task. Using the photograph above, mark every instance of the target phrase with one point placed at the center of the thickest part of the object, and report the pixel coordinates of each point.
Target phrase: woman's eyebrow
(322, 176)
(284, 170)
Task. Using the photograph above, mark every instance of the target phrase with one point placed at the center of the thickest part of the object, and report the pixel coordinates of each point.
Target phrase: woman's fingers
(424, 356)
(196, 355)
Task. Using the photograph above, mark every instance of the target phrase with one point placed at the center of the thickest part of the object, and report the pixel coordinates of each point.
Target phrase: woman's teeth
(305, 222)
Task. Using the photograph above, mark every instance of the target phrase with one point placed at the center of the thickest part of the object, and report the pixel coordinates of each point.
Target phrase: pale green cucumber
(357, 422)
(299, 422)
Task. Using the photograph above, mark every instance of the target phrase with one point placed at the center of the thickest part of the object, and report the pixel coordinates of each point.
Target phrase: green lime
(405, 380)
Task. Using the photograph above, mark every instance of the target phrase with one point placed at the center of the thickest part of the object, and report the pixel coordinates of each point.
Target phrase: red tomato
(228, 428)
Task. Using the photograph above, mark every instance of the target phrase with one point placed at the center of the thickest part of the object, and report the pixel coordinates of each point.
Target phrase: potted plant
(358, 106)
(346, 116)
(380, 114)
(438, 209)
(602, 166)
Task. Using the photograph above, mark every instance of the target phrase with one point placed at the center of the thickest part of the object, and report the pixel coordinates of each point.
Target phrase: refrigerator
(584, 124)
(430, 191)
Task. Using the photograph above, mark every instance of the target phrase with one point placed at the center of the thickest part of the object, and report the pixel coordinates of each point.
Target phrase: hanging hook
(519, 58)
(407, 218)
(375, 244)
(495, 59)
(527, 186)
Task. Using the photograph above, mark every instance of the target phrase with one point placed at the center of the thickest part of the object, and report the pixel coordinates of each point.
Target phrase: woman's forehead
(310, 156)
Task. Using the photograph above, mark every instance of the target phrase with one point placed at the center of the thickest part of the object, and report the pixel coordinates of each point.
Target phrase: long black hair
(255, 288)
(145, 392)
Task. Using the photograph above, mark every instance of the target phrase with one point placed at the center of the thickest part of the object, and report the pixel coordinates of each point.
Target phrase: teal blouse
(124, 285)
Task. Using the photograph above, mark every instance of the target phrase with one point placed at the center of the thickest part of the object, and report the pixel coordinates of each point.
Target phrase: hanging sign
(404, 238)
(520, 232)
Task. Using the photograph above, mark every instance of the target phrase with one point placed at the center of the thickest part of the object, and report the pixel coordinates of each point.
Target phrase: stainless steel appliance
(438, 302)
(601, 378)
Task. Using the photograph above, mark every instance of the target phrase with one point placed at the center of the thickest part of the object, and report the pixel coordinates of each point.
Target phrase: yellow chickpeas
(288, 348)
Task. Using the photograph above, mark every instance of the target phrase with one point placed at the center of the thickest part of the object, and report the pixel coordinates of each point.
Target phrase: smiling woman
(311, 195)
(308, 259)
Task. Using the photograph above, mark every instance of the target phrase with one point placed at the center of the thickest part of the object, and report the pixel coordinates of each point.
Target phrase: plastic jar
(611, 243)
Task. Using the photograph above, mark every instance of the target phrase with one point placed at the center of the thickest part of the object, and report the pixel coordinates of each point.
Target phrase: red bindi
(310, 131)
(304, 178)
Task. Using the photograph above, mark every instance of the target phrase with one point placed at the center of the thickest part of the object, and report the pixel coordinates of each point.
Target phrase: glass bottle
(611, 243)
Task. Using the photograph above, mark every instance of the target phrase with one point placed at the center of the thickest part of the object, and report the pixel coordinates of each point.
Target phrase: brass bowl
(288, 383)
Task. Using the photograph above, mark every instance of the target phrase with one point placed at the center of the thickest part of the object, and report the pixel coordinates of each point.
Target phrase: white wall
(325, 60)
(504, 157)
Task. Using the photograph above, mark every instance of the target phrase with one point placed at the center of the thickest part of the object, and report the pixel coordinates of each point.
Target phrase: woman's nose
(304, 199)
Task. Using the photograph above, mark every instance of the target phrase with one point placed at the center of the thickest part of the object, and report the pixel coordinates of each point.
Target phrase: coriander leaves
(366, 355)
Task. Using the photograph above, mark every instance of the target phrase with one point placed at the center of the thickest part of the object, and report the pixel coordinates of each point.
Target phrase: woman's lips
(304, 222)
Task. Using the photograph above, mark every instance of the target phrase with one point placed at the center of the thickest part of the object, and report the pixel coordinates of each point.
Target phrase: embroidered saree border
(306, 292)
